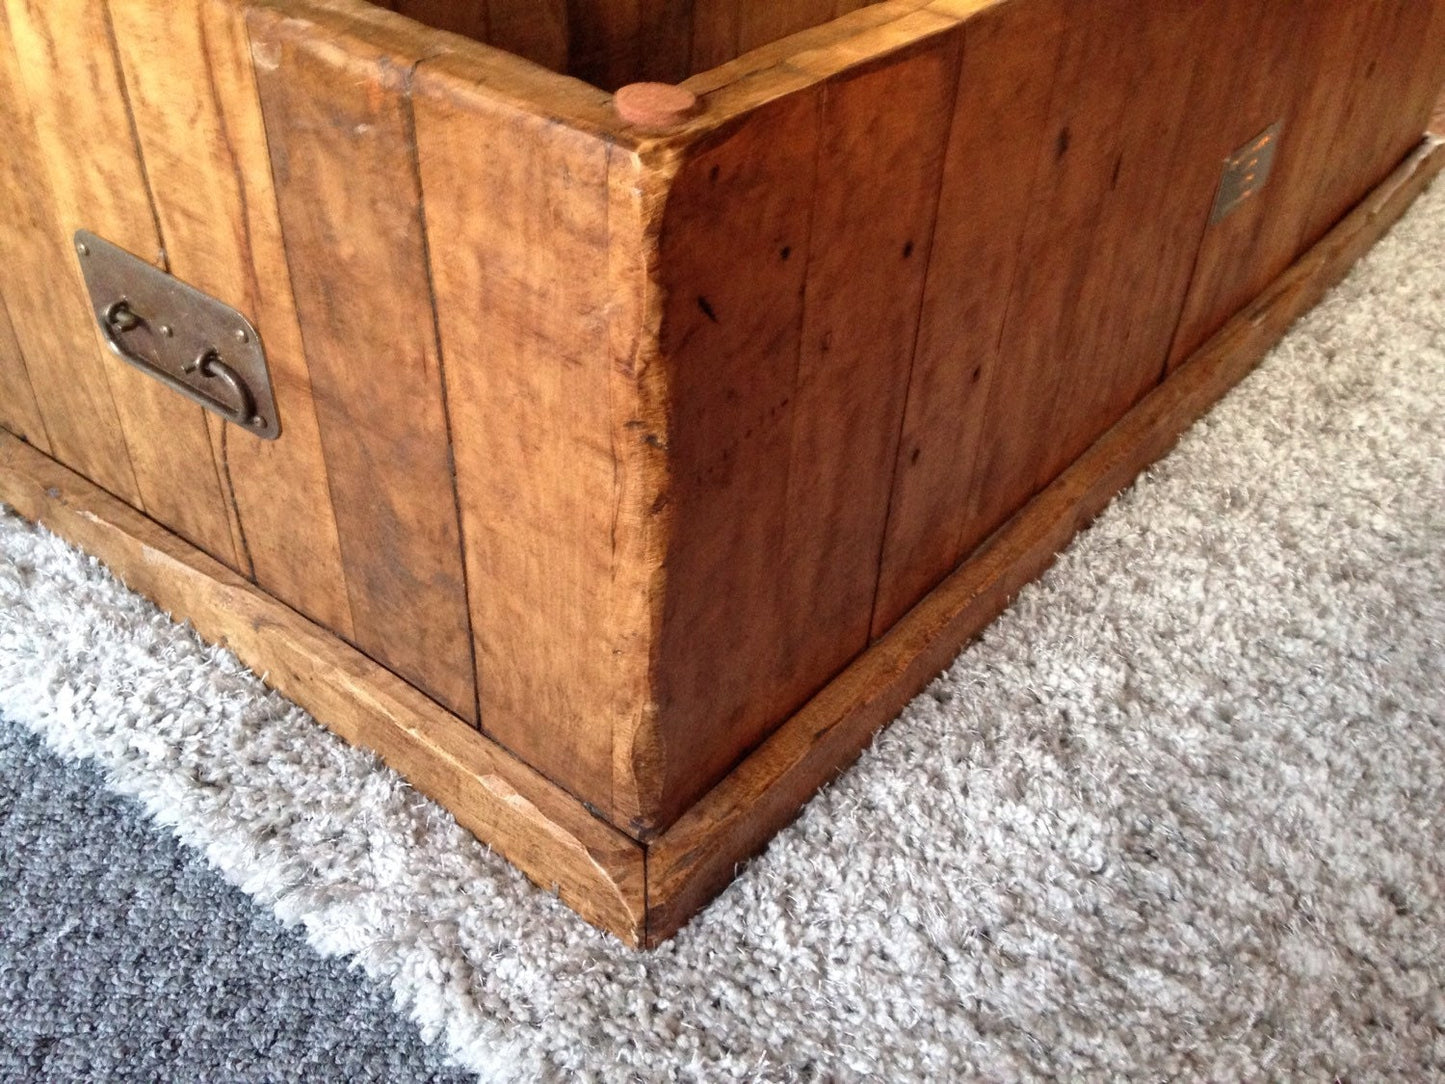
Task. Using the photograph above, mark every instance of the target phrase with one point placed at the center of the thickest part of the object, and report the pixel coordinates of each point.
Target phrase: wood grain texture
(612, 42)
(47, 306)
(605, 41)
(193, 94)
(1000, 120)
(699, 855)
(734, 252)
(19, 413)
(467, 17)
(884, 135)
(533, 29)
(1063, 244)
(339, 127)
(548, 835)
(1347, 117)
(764, 21)
(1387, 107)
(86, 142)
(519, 257)
(714, 33)
(1148, 229)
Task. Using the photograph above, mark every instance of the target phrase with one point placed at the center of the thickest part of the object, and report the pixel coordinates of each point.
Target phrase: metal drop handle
(209, 364)
(120, 319)
(193, 343)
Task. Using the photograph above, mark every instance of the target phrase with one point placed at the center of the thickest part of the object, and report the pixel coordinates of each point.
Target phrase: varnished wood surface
(341, 134)
(544, 832)
(1090, 155)
(1010, 61)
(621, 443)
(612, 42)
(74, 88)
(193, 96)
(699, 855)
(527, 369)
(19, 412)
(42, 299)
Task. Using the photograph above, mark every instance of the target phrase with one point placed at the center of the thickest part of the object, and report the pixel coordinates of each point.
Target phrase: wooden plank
(800, 60)
(714, 33)
(467, 17)
(1009, 59)
(699, 855)
(879, 174)
(1389, 102)
(48, 307)
(605, 41)
(1147, 233)
(734, 253)
(547, 834)
(85, 138)
(339, 126)
(640, 397)
(533, 29)
(519, 258)
(193, 94)
(18, 411)
(1098, 69)
(1234, 263)
(762, 21)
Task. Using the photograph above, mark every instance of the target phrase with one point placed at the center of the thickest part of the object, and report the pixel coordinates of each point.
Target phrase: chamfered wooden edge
(699, 855)
(545, 832)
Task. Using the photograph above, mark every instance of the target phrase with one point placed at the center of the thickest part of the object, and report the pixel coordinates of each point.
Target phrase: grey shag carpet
(1179, 814)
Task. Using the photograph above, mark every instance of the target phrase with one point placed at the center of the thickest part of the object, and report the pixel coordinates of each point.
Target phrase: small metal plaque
(1245, 172)
(189, 341)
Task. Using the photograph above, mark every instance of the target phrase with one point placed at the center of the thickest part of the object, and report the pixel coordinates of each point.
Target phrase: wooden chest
(617, 464)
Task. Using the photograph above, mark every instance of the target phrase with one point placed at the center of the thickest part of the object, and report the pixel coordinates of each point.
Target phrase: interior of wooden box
(612, 42)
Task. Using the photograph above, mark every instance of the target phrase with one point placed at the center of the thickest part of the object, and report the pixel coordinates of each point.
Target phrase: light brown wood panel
(193, 95)
(1146, 236)
(1009, 59)
(879, 174)
(696, 858)
(48, 310)
(339, 126)
(18, 411)
(527, 367)
(1098, 69)
(533, 29)
(639, 395)
(85, 138)
(734, 250)
(533, 824)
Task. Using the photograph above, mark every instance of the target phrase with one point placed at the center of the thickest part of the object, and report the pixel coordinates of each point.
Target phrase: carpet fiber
(1179, 814)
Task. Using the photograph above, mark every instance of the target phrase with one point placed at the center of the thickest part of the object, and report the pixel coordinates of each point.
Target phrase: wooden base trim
(644, 895)
(698, 856)
(534, 824)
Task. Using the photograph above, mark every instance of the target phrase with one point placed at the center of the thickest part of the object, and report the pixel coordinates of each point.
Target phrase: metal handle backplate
(189, 341)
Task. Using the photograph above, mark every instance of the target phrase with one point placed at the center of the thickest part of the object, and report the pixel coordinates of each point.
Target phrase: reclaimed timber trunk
(615, 464)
